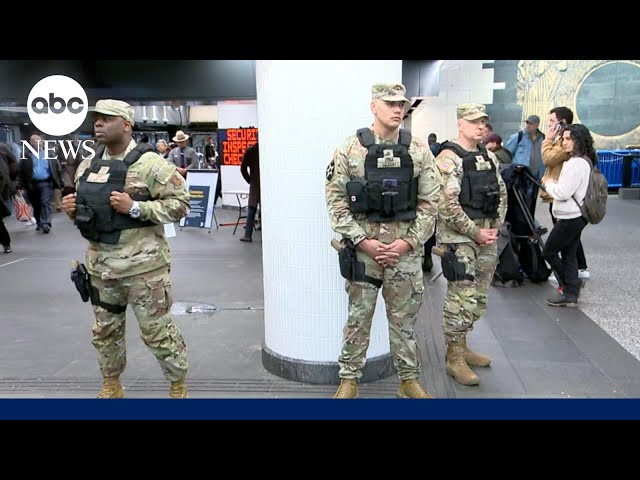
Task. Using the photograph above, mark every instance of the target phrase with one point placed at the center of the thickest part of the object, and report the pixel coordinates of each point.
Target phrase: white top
(573, 182)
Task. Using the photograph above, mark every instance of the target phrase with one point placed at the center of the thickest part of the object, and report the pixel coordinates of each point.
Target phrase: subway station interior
(265, 318)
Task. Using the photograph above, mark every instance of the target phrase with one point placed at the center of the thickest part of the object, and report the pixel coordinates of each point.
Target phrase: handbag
(21, 207)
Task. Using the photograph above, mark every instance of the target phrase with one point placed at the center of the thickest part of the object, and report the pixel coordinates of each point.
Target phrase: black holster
(351, 268)
(80, 277)
(452, 269)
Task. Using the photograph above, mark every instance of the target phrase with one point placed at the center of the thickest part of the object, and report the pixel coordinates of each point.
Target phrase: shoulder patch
(162, 170)
(331, 170)
(176, 180)
(445, 165)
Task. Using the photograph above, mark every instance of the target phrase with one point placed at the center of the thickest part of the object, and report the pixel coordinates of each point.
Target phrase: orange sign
(234, 142)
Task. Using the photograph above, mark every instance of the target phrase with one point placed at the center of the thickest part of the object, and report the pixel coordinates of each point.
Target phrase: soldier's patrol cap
(117, 108)
(471, 111)
(390, 92)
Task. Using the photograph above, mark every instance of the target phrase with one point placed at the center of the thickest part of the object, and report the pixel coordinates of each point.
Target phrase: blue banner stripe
(321, 409)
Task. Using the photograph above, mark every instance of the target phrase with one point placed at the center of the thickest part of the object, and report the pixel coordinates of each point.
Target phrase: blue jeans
(41, 198)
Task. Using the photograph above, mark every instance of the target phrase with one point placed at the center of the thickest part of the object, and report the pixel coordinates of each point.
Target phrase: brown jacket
(553, 157)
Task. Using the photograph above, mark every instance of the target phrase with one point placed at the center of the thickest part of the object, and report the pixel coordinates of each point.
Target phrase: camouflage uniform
(403, 283)
(466, 301)
(136, 270)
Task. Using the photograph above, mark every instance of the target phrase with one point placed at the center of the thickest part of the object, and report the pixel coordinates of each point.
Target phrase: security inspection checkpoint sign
(233, 142)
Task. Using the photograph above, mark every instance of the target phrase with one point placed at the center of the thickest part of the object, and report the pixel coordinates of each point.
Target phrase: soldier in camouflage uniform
(473, 204)
(135, 270)
(391, 249)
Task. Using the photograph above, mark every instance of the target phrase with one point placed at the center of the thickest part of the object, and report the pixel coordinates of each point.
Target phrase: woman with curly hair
(568, 192)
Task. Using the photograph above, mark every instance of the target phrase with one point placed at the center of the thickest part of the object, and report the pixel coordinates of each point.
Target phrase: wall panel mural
(603, 94)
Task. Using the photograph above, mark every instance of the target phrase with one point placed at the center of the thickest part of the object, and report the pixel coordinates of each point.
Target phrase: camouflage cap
(471, 111)
(116, 108)
(390, 92)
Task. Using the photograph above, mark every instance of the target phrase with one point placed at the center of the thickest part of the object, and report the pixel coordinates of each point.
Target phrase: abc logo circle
(57, 105)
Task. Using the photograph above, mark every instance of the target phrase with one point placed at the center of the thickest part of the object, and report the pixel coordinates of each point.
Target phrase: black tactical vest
(389, 192)
(95, 218)
(480, 192)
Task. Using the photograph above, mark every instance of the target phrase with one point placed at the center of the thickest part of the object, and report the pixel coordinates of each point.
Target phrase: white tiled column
(306, 109)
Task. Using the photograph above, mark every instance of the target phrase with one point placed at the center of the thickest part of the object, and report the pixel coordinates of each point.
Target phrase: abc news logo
(67, 148)
(57, 105)
(40, 105)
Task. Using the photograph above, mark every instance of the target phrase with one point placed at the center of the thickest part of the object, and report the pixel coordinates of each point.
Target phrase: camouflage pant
(402, 290)
(151, 298)
(466, 300)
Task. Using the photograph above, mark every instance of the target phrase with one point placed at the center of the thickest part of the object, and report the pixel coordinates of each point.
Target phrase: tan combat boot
(348, 389)
(412, 389)
(178, 389)
(111, 388)
(472, 358)
(457, 367)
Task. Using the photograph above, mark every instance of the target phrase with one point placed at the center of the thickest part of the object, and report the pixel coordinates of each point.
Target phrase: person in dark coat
(494, 143)
(5, 198)
(250, 169)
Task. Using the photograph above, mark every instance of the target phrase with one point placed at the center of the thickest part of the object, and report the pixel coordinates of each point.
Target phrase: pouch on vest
(389, 197)
(357, 193)
(480, 197)
(94, 220)
(493, 199)
(86, 222)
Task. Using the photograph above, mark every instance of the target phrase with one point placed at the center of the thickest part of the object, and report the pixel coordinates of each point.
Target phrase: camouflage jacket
(141, 250)
(454, 225)
(348, 164)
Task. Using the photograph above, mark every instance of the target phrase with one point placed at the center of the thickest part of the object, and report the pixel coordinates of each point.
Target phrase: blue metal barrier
(611, 164)
(635, 172)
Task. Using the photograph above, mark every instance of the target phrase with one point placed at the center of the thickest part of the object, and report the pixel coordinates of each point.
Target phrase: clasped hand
(386, 255)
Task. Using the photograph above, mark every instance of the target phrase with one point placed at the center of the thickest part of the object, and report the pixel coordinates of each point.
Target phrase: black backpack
(532, 262)
(508, 272)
